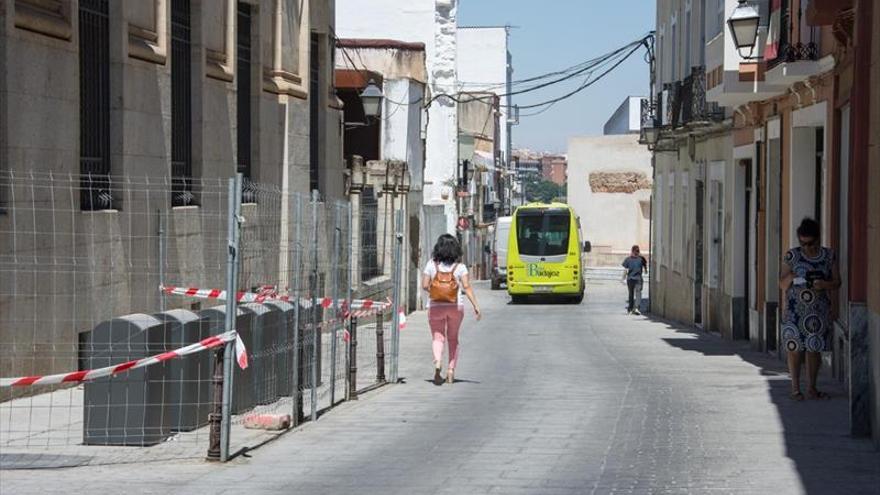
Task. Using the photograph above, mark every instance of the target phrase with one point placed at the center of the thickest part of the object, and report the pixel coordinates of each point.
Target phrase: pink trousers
(445, 322)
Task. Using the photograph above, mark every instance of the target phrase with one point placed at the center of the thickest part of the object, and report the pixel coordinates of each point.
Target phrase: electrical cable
(583, 86)
(567, 74)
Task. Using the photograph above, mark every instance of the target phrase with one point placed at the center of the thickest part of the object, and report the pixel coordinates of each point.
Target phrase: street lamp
(650, 131)
(743, 25)
(371, 97)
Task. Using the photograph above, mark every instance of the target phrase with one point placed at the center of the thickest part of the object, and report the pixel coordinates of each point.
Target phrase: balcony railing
(793, 47)
(694, 107)
(648, 110)
(672, 104)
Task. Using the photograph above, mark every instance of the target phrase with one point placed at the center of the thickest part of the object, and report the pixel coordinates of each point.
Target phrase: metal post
(395, 328)
(296, 393)
(334, 266)
(352, 358)
(313, 294)
(380, 347)
(162, 258)
(214, 418)
(220, 420)
(352, 326)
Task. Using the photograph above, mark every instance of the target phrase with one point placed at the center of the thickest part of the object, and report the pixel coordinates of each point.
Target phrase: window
(661, 53)
(243, 76)
(181, 104)
(673, 48)
(314, 112)
(369, 234)
(94, 110)
(670, 225)
(717, 208)
(702, 24)
(543, 232)
(683, 237)
(687, 37)
(658, 217)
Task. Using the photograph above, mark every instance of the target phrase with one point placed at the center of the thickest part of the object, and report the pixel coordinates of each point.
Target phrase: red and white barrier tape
(86, 375)
(357, 308)
(268, 294)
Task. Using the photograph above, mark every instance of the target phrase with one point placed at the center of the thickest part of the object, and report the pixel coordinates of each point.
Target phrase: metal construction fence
(122, 330)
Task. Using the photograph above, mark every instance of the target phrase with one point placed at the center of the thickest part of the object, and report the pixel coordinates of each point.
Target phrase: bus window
(543, 232)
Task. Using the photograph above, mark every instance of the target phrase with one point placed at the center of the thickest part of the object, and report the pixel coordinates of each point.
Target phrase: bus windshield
(543, 232)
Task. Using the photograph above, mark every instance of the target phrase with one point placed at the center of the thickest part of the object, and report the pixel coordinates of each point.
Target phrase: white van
(499, 252)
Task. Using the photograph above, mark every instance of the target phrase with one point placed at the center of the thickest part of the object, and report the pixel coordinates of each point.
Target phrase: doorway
(746, 253)
(773, 235)
(698, 252)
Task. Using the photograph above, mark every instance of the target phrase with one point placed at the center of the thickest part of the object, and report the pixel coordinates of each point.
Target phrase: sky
(551, 35)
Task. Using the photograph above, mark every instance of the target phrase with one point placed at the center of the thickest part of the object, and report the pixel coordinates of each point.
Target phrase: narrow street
(550, 399)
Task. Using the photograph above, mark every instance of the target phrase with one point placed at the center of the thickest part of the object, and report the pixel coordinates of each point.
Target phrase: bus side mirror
(587, 246)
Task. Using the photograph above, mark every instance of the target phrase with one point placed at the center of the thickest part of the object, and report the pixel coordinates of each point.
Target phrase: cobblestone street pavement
(555, 399)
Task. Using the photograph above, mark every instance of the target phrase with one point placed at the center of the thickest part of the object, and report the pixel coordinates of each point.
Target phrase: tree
(538, 189)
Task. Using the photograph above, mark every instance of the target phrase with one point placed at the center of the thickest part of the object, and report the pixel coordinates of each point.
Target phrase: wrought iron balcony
(694, 107)
(792, 47)
(673, 104)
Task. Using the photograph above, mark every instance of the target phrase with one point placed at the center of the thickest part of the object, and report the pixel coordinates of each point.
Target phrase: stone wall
(619, 182)
(86, 266)
(608, 183)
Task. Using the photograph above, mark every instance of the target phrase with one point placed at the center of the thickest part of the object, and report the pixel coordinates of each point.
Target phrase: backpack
(444, 286)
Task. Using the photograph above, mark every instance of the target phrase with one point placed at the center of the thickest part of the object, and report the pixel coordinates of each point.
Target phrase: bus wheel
(578, 298)
(518, 299)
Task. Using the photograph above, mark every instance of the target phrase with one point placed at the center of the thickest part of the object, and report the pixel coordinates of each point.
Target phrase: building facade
(750, 144)
(140, 111)
(434, 24)
(555, 169)
(609, 186)
(386, 155)
(485, 66)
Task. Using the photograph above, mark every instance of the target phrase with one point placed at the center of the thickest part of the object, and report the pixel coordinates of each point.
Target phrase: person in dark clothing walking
(634, 265)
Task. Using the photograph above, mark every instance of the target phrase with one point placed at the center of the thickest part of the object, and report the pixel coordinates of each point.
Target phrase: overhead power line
(558, 77)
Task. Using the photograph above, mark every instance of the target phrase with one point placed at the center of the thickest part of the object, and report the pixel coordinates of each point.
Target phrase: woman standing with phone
(809, 273)
(445, 278)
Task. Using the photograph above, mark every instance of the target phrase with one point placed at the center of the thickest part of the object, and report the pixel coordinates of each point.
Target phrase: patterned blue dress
(806, 323)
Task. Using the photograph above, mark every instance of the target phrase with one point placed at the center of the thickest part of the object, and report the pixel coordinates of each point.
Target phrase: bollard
(352, 359)
(216, 415)
(380, 347)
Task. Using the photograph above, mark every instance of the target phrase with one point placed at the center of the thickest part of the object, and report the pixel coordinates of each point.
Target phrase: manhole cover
(41, 461)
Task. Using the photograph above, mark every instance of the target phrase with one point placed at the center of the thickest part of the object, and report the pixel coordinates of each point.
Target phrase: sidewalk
(552, 399)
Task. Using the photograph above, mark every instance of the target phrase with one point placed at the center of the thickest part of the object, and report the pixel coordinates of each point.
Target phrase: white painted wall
(402, 126)
(482, 66)
(627, 118)
(608, 219)
(434, 23)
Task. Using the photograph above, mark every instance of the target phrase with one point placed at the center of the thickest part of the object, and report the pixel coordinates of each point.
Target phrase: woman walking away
(809, 272)
(444, 279)
(633, 266)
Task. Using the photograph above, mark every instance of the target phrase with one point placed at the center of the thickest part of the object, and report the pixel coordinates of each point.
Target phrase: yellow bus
(545, 253)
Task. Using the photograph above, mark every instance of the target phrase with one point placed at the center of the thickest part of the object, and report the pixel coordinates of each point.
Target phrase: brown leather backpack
(444, 287)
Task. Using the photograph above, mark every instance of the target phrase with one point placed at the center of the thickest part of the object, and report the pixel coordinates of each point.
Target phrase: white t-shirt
(460, 271)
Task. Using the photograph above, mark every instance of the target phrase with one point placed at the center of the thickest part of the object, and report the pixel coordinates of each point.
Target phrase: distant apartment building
(527, 162)
(554, 168)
